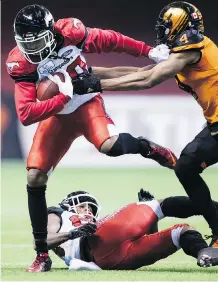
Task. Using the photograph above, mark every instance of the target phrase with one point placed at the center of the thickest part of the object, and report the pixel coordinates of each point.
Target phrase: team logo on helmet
(174, 19)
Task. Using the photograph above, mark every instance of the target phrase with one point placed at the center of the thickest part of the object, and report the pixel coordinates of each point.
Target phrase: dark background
(133, 18)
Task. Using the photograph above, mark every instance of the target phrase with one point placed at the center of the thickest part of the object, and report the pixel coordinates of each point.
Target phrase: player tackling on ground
(123, 240)
(193, 61)
(43, 48)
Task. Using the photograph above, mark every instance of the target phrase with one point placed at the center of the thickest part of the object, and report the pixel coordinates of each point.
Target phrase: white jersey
(70, 221)
(68, 58)
(71, 247)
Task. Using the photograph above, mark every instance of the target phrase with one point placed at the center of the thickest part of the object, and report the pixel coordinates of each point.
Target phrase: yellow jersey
(201, 78)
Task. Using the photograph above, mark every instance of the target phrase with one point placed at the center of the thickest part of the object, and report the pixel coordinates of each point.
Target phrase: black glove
(87, 83)
(82, 231)
(144, 196)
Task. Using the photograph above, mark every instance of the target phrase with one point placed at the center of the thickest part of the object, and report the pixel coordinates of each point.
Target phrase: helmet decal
(174, 19)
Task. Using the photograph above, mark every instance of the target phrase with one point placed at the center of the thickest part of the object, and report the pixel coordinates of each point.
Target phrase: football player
(43, 48)
(83, 241)
(193, 61)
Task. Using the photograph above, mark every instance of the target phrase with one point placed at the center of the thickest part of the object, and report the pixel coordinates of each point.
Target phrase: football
(47, 88)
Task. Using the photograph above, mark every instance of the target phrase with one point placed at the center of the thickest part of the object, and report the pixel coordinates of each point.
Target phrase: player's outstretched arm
(99, 40)
(149, 78)
(107, 73)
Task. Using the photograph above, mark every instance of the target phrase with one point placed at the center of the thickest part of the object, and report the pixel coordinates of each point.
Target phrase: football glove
(144, 196)
(82, 231)
(65, 87)
(159, 53)
(87, 83)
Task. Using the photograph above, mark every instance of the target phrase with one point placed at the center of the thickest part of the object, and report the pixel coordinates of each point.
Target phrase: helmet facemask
(71, 203)
(36, 47)
(162, 29)
(34, 33)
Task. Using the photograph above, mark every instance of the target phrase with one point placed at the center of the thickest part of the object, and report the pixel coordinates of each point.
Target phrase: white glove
(77, 264)
(65, 87)
(159, 53)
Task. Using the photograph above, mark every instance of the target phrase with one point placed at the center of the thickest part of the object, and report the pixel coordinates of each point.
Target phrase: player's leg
(180, 207)
(151, 248)
(101, 132)
(51, 141)
(177, 206)
(129, 223)
(197, 155)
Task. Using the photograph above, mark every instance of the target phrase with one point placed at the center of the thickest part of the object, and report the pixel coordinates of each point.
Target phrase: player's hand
(159, 53)
(144, 196)
(82, 231)
(87, 83)
(65, 87)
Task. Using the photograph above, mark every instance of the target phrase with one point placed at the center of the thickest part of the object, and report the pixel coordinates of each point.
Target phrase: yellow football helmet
(174, 19)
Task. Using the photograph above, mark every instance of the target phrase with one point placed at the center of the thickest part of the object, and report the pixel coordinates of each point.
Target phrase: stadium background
(165, 114)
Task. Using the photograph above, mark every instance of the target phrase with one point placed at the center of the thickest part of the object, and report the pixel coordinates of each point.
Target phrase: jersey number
(184, 39)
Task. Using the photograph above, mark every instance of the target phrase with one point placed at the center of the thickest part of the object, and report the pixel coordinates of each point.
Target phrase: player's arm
(55, 239)
(96, 40)
(106, 73)
(149, 78)
(30, 111)
(99, 40)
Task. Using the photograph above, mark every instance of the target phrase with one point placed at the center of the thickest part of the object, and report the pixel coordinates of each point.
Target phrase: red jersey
(74, 33)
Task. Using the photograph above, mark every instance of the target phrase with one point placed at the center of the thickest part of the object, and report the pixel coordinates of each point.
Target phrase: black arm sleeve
(30, 77)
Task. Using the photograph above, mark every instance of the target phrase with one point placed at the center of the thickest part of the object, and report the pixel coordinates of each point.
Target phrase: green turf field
(114, 188)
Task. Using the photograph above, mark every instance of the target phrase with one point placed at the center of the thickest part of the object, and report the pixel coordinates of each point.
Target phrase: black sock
(192, 243)
(199, 194)
(180, 207)
(127, 144)
(38, 216)
(188, 174)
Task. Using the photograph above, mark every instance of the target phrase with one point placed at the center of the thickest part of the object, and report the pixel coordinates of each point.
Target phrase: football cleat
(42, 263)
(208, 257)
(165, 157)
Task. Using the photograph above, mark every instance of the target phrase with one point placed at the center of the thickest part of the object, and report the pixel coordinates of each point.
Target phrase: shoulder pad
(72, 29)
(189, 39)
(56, 210)
(18, 67)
